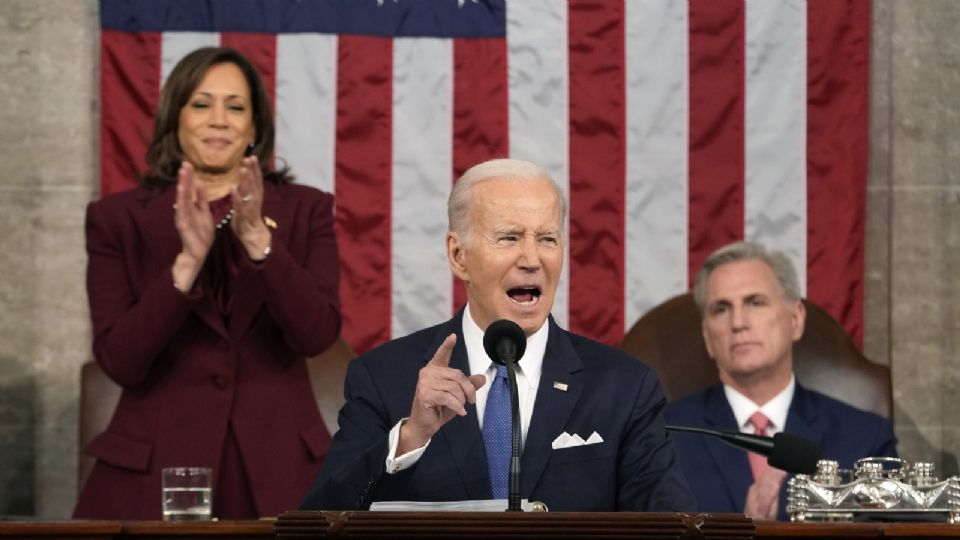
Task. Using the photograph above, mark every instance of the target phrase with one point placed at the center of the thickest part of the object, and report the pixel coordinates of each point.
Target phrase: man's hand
(764, 495)
(441, 393)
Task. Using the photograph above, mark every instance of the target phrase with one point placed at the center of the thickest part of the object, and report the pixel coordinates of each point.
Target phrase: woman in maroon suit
(209, 285)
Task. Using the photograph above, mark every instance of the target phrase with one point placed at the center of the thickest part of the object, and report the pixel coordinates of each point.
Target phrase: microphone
(505, 343)
(791, 453)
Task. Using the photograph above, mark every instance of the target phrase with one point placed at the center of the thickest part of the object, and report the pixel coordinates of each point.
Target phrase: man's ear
(799, 319)
(457, 256)
(706, 339)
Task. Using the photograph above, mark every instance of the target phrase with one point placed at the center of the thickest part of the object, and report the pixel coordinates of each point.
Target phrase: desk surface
(773, 529)
(97, 530)
(473, 525)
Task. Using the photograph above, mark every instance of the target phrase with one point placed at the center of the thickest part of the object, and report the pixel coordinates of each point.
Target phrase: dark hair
(164, 154)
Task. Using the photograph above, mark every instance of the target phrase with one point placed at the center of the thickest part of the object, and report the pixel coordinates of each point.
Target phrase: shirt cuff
(399, 463)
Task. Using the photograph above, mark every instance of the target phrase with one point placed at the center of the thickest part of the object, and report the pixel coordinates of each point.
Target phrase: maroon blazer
(187, 371)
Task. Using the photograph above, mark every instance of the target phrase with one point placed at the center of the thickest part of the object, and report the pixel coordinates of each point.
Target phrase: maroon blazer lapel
(247, 299)
(153, 221)
(158, 228)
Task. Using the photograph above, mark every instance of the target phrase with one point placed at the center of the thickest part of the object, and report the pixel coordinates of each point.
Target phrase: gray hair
(779, 263)
(459, 203)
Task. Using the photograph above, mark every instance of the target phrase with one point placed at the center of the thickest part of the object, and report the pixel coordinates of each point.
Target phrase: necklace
(226, 219)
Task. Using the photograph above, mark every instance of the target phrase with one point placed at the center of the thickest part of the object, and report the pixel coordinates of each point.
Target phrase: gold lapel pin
(560, 386)
(269, 222)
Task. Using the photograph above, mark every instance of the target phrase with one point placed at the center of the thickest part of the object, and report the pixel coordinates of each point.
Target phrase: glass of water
(186, 493)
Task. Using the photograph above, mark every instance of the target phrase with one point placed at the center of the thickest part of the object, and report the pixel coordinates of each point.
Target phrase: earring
(249, 151)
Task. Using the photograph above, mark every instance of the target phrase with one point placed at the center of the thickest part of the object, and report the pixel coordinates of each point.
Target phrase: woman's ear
(252, 144)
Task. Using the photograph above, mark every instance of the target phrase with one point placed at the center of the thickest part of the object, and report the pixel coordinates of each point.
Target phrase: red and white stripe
(675, 127)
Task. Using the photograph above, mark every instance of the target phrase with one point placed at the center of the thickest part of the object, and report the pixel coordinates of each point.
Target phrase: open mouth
(524, 296)
(217, 142)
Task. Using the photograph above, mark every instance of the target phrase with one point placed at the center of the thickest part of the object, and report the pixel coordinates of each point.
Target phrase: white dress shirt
(528, 379)
(775, 410)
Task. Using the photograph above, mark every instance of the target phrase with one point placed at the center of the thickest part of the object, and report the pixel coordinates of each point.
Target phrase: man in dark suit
(416, 419)
(749, 299)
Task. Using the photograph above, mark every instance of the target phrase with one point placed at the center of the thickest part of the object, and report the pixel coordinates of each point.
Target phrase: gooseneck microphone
(791, 453)
(505, 343)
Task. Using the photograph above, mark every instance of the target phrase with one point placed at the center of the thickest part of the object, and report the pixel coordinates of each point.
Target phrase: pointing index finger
(442, 357)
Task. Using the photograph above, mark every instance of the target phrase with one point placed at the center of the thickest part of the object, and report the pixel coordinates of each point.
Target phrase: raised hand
(441, 394)
(247, 199)
(195, 226)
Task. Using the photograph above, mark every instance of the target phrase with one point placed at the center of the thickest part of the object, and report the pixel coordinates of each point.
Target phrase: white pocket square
(565, 440)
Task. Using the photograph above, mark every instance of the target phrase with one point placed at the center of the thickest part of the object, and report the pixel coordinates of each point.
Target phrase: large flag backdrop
(675, 127)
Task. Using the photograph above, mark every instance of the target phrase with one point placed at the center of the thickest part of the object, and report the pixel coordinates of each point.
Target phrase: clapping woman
(209, 285)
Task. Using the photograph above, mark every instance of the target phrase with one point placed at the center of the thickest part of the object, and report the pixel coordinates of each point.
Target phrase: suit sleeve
(129, 332)
(886, 443)
(354, 469)
(303, 298)
(649, 470)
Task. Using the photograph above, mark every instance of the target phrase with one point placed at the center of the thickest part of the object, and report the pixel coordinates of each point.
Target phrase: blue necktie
(497, 433)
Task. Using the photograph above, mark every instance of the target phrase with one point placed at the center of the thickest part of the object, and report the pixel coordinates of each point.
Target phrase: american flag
(674, 126)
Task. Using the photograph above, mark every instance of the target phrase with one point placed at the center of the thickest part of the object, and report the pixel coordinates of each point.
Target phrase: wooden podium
(472, 525)
(512, 525)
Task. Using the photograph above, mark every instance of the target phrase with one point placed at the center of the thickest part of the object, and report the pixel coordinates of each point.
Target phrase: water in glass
(186, 503)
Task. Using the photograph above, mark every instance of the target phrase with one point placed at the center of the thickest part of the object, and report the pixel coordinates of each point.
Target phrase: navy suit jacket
(719, 474)
(608, 391)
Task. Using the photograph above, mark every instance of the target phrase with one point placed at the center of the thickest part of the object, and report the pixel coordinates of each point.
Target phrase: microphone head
(794, 454)
(504, 337)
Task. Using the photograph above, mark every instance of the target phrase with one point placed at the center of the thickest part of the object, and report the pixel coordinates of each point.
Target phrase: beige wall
(48, 66)
(913, 221)
(48, 81)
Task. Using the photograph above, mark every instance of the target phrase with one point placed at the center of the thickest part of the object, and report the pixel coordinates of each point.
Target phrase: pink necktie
(758, 463)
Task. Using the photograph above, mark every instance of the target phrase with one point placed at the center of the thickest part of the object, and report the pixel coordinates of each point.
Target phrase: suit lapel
(157, 223)
(247, 297)
(732, 462)
(552, 407)
(802, 420)
(156, 226)
(802, 417)
(462, 434)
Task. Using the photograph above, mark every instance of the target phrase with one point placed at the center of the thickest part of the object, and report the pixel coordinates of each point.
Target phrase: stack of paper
(488, 505)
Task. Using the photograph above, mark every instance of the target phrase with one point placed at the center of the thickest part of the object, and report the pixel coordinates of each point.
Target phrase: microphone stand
(759, 444)
(504, 342)
(513, 486)
(792, 453)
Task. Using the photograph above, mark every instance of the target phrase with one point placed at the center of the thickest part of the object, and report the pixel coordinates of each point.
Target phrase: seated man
(421, 418)
(749, 299)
